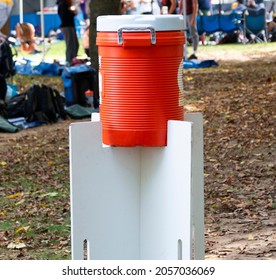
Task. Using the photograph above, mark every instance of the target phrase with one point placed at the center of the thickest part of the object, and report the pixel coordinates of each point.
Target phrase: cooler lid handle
(139, 28)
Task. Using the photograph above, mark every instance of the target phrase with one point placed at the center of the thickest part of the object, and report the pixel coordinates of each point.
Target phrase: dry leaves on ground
(238, 104)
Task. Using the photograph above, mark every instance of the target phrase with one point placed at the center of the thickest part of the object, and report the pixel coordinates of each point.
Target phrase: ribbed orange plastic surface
(139, 87)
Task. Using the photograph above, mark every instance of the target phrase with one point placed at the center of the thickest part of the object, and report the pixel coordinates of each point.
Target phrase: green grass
(237, 48)
(34, 197)
(242, 47)
(5, 225)
(53, 51)
(51, 255)
(56, 50)
(61, 230)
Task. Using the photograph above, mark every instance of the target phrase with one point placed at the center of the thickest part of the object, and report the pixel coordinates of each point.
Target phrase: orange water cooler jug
(140, 77)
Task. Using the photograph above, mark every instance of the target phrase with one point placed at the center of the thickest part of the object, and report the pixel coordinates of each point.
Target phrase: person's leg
(195, 38)
(66, 34)
(72, 43)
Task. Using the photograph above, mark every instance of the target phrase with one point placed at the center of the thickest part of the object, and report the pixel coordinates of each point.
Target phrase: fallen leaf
(268, 255)
(250, 237)
(16, 245)
(20, 202)
(3, 213)
(43, 205)
(12, 196)
(263, 214)
(51, 194)
(22, 229)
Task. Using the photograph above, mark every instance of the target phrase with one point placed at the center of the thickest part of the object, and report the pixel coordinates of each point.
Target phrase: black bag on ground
(59, 103)
(44, 104)
(7, 65)
(3, 92)
(30, 104)
(3, 87)
(16, 106)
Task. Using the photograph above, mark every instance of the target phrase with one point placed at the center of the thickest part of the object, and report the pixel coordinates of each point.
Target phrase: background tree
(99, 8)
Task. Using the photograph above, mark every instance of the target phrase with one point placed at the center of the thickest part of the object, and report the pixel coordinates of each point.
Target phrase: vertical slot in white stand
(136, 202)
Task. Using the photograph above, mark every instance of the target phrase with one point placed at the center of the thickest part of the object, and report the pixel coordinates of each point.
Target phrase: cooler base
(144, 138)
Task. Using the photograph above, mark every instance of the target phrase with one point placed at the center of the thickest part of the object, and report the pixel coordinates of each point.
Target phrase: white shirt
(145, 6)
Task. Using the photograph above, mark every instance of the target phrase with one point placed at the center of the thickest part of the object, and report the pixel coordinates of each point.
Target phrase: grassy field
(56, 50)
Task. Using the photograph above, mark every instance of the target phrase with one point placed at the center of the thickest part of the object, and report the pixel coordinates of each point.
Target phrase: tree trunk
(98, 8)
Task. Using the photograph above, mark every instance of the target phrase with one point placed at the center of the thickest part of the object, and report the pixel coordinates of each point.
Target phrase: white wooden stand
(137, 202)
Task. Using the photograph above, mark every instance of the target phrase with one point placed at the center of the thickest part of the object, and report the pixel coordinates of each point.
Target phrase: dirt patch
(238, 104)
(8, 139)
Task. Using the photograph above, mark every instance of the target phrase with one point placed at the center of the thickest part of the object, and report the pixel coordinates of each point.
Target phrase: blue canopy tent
(30, 11)
(42, 14)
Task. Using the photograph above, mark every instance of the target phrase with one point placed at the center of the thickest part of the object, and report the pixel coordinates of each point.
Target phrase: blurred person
(238, 6)
(82, 4)
(171, 4)
(251, 4)
(67, 12)
(87, 10)
(204, 7)
(256, 4)
(5, 10)
(156, 7)
(85, 41)
(271, 23)
(25, 32)
(191, 13)
(128, 7)
(146, 7)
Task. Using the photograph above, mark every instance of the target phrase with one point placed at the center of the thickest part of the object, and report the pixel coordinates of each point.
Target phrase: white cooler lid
(158, 22)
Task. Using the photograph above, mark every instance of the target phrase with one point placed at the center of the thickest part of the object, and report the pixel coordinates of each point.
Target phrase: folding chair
(232, 24)
(255, 25)
(199, 25)
(210, 24)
